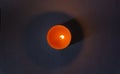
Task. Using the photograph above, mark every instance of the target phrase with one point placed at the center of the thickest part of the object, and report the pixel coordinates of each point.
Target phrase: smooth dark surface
(101, 45)
(36, 43)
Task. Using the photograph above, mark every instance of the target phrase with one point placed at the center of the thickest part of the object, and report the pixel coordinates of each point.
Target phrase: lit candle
(59, 37)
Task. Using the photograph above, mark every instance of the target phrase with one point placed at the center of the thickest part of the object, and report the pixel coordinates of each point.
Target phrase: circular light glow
(59, 37)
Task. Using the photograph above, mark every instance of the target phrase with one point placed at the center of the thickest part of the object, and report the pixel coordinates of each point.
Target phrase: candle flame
(62, 37)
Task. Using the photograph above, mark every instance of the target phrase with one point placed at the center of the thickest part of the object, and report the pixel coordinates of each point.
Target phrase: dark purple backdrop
(100, 53)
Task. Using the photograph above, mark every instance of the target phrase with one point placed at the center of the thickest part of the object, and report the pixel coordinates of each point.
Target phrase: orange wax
(59, 37)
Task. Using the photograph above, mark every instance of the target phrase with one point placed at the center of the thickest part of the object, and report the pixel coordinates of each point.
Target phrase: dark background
(100, 53)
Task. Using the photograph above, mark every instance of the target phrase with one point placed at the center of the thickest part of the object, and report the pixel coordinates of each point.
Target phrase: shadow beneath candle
(76, 30)
(38, 49)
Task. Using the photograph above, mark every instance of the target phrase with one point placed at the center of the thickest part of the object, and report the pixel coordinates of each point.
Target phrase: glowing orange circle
(59, 37)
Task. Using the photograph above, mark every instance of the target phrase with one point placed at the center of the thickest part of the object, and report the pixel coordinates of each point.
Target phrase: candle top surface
(59, 37)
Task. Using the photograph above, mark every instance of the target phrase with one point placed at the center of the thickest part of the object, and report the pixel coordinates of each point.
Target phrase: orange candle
(59, 37)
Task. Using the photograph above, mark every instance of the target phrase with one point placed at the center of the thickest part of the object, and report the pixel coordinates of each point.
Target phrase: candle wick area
(62, 37)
